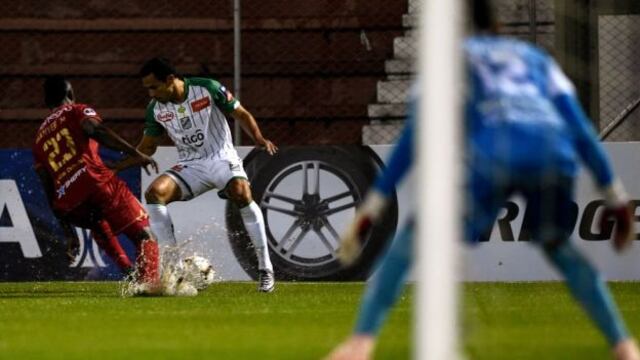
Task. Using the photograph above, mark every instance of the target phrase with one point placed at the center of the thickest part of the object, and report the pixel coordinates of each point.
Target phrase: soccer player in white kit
(191, 111)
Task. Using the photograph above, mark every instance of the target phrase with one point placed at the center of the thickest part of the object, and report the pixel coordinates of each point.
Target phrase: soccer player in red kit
(82, 191)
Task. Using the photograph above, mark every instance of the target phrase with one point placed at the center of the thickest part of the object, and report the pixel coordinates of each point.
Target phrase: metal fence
(317, 72)
(530, 20)
(307, 72)
(100, 46)
(619, 76)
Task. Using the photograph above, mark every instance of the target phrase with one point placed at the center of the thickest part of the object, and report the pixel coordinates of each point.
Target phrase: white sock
(162, 228)
(254, 224)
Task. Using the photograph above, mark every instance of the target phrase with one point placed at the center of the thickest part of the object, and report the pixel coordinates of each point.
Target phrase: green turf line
(62, 320)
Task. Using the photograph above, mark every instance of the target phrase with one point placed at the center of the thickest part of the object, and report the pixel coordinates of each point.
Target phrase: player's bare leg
(162, 191)
(239, 192)
(357, 347)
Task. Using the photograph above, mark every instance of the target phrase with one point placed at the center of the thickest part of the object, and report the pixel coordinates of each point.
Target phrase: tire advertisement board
(308, 195)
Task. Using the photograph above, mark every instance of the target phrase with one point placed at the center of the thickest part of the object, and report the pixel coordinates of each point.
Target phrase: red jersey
(70, 156)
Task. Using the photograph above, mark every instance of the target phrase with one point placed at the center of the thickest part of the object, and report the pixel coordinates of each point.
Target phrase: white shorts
(199, 176)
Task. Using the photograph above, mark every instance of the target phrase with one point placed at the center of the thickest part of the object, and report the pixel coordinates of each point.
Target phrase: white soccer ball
(168, 282)
(198, 271)
(186, 289)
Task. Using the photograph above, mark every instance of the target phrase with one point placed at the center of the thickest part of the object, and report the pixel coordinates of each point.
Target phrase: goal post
(439, 164)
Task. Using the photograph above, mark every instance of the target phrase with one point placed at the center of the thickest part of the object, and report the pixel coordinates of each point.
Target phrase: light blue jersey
(521, 118)
(522, 115)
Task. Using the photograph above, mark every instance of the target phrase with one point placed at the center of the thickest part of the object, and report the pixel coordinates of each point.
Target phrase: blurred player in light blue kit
(525, 133)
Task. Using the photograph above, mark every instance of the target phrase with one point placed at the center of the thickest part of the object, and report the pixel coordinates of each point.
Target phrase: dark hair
(482, 14)
(56, 89)
(160, 67)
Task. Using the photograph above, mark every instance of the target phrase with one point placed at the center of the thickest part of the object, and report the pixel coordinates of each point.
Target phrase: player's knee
(157, 194)
(162, 191)
(152, 196)
(239, 192)
(241, 200)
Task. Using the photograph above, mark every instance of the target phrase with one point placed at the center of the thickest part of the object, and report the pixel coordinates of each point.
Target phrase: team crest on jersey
(89, 112)
(186, 123)
(165, 116)
(200, 104)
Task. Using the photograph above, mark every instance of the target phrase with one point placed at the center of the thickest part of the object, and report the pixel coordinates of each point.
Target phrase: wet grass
(62, 320)
(227, 321)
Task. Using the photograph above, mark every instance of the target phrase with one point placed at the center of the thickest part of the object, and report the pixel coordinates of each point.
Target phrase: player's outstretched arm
(250, 126)
(617, 210)
(563, 96)
(368, 214)
(148, 146)
(107, 137)
(587, 144)
(401, 158)
(373, 206)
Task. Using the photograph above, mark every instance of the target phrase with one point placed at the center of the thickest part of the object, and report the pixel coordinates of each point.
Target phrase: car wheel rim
(312, 217)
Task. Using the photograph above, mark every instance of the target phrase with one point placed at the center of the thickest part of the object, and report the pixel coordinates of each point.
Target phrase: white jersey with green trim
(198, 125)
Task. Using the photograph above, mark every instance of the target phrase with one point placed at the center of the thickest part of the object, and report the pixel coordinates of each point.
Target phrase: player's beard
(161, 100)
(166, 96)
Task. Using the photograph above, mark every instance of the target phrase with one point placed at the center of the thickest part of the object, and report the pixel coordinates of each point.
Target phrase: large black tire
(310, 222)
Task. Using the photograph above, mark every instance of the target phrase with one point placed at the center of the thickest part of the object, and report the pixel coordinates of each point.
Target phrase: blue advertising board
(32, 244)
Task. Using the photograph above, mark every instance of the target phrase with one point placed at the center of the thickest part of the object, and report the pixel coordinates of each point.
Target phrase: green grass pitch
(299, 321)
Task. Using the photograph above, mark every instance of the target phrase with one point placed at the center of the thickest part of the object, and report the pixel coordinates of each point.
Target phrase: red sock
(109, 243)
(147, 262)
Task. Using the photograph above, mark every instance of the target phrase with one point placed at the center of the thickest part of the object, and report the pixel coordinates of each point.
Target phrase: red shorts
(113, 203)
